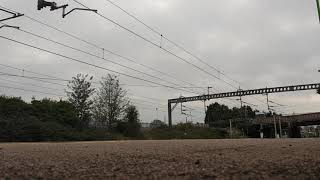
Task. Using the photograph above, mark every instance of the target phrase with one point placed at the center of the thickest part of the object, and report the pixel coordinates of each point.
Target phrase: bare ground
(177, 159)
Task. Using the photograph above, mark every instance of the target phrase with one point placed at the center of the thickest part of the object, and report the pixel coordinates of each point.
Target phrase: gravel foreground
(176, 159)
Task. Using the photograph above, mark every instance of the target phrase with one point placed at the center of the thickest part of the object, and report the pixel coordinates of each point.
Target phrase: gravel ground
(176, 159)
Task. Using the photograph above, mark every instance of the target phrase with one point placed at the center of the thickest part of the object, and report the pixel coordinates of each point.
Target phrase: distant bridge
(291, 123)
(299, 119)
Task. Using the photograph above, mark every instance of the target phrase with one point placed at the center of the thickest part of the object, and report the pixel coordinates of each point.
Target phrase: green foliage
(130, 125)
(61, 112)
(185, 131)
(110, 103)
(158, 124)
(219, 115)
(80, 97)
(43, 120)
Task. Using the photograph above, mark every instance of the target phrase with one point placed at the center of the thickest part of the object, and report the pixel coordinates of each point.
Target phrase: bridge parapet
(309, 118)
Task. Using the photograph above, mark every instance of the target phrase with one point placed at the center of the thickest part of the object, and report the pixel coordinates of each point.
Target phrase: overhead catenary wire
(156, 45)
(171, 41)
(276, 103)
(154, 103)
(41, 80)
(52, 78)
(29, 90)
(165, 50)
(76, 37)
(71, 35)
(164, 37)
(102, 58)
(48, 80)
(29, 84)
(32, 77)
(89, 64)
(104, 49)
(32, 72)
(66, 46)
(185, 87)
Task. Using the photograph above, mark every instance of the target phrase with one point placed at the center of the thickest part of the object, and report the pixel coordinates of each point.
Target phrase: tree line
(219, 113)
(87, 114)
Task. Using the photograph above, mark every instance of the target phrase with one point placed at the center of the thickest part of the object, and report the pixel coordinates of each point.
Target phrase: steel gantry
(238, 93)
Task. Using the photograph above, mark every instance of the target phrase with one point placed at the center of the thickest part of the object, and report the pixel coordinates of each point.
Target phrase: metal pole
(230, 128)
(275, 126)
(280, 127)
(204, 101)
(157, 114)
(209, 90)
(261, 131)
(268, 102)
(169, 115)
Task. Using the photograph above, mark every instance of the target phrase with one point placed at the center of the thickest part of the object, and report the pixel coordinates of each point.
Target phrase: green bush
(180, 132)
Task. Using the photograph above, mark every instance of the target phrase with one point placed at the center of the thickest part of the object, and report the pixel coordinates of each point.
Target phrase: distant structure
(145, 125)
(293, 126)
(157, 124)
(202, 125)
(172, 103)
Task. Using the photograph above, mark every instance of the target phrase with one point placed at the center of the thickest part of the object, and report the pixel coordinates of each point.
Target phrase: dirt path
(178, 159)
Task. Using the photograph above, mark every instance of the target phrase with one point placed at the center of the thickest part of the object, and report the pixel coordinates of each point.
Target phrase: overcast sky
(257, 43)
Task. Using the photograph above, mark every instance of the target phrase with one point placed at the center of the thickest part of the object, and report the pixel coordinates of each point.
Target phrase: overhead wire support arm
(14, 15)
(81, 9)
(53, 6)
(15, 27)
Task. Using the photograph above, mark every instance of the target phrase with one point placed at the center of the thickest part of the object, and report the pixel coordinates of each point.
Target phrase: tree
(110, 103)
(157, 124)
(62, 112)
(40, 120)
(80, 96)
(217, 112)
(130, 125)
(218, 115)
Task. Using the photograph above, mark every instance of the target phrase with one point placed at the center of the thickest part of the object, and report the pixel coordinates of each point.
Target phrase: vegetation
(79, 96)
(157, 124)
(49, 120)
(78, 118)
(104, 114)
(185, 131)
(130, 125)
(110, 103)
(219, 115)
